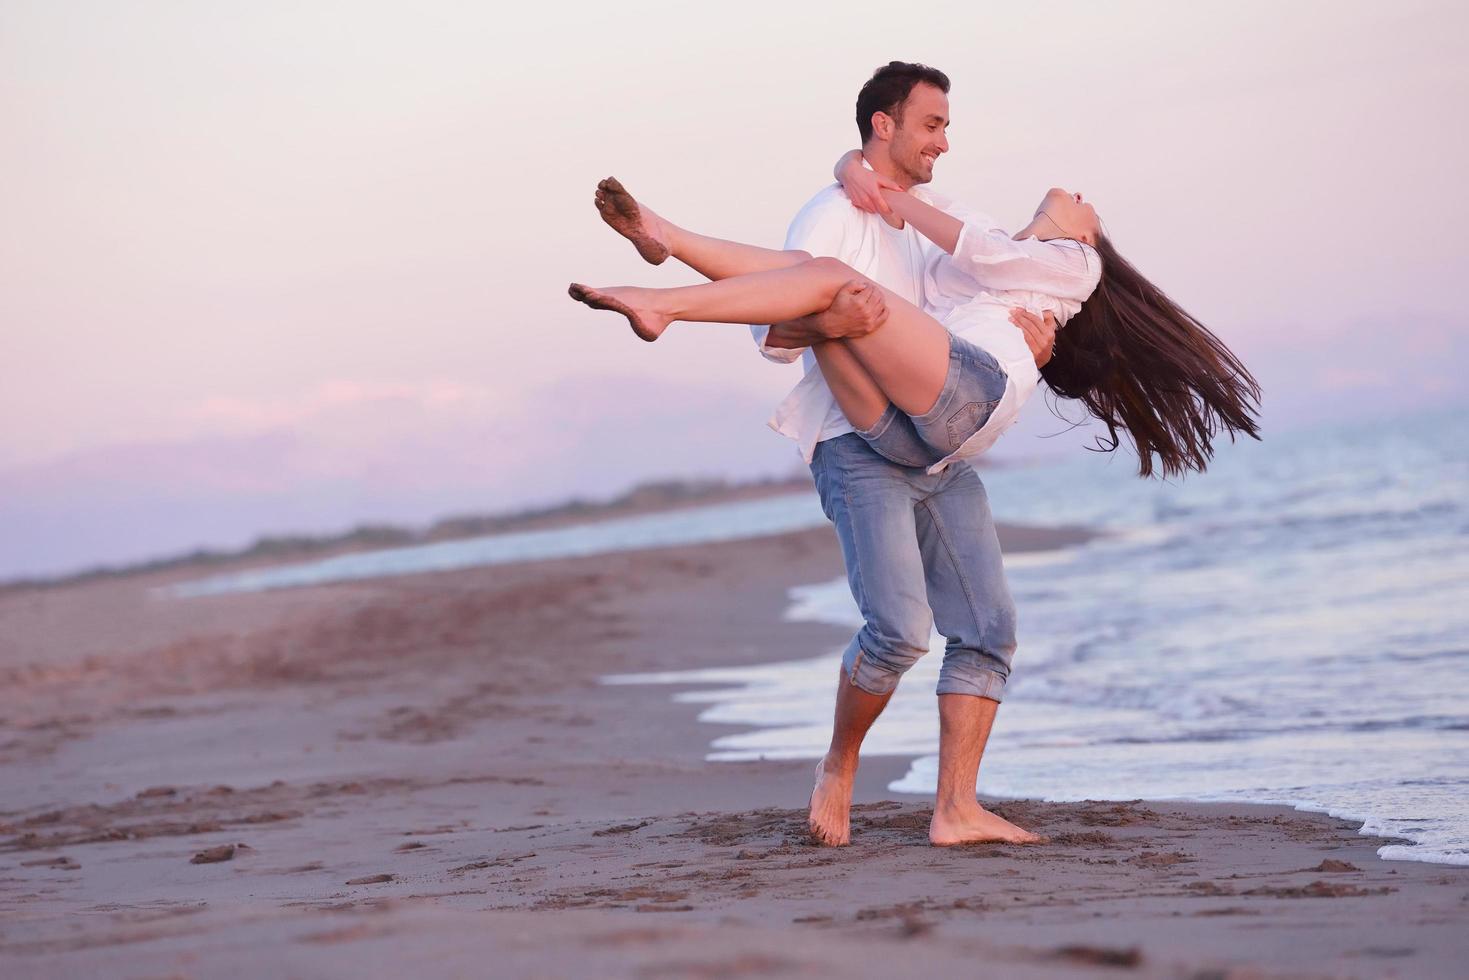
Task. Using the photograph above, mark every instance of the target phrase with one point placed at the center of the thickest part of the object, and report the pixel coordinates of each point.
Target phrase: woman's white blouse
(971, 293)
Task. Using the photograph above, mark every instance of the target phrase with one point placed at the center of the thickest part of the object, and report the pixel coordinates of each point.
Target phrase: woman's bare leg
(860, 398)
(656, 238)
(908, 357)
(759, 297)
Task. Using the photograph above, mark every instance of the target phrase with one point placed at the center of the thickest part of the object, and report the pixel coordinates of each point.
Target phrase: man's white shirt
(899, 259)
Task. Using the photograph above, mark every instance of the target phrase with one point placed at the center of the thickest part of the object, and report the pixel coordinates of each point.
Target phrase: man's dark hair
(888, 89)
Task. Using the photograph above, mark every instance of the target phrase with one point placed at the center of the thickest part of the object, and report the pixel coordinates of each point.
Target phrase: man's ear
(883, 125)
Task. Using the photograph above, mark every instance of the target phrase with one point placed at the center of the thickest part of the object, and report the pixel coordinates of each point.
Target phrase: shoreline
(1046, 542)
(426, 770)
(904, 760)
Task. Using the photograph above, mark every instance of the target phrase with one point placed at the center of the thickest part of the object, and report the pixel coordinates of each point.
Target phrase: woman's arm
(1063, 269)
(937, 226)
(870, 191)
(862, 185)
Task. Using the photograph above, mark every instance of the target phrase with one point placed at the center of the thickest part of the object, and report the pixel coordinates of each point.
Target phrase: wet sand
(425, 774)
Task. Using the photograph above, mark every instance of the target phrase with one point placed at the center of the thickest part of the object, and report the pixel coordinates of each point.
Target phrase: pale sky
(268, 267)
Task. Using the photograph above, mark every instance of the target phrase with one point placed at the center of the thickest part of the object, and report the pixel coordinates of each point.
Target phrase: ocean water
(1291, 627)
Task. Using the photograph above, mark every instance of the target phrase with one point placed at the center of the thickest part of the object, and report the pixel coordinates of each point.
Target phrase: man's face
(920, 137)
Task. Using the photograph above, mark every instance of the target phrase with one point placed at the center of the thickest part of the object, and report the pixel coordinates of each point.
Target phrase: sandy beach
(425, 774)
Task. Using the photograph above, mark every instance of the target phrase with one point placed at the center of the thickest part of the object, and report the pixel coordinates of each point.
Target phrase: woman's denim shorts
(973, 387)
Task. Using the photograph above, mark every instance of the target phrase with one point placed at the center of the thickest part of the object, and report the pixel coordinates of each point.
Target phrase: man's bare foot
(633, 221)
(972, 824)
(831, 807)
(630, 301)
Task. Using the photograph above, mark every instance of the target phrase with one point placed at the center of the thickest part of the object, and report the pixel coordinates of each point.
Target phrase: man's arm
(793, 334)
(778, 342)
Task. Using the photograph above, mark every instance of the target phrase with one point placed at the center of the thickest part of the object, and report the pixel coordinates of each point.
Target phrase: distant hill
(646, 497)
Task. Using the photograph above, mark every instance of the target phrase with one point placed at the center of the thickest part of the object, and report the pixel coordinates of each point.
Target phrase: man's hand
(858, 309)
(1040, 334)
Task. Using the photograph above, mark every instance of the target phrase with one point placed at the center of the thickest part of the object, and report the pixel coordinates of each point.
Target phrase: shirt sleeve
(819, 230)
(1063, 268)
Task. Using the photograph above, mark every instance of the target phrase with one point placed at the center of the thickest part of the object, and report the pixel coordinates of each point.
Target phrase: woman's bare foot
(972, 824)
(831, 807)
(633, 221)
(630, 301)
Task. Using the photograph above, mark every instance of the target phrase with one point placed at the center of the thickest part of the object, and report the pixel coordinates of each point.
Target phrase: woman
(938, 384)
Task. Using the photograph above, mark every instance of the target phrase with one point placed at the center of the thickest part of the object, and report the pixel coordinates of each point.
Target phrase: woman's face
(1070, 216)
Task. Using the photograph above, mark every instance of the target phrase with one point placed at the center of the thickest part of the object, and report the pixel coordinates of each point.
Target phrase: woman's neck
(1040, 227)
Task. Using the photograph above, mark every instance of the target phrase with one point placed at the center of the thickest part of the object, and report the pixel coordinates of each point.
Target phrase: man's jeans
(920, 551)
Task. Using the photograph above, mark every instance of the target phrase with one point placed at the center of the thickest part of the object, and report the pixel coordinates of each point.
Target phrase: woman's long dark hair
(1140, 363)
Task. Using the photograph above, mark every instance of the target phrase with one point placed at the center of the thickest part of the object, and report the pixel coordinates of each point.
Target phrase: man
(920, 549)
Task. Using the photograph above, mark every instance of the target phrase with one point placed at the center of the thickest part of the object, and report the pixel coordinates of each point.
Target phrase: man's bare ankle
(839, 766)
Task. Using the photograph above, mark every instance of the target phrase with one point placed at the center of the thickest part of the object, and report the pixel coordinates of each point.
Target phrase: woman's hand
(864, 187)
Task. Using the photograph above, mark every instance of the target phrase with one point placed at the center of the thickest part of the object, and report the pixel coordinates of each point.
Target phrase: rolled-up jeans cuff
(979, 683)
(864, 673)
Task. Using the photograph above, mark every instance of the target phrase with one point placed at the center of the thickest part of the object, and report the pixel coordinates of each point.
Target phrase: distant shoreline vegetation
(644, 497)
